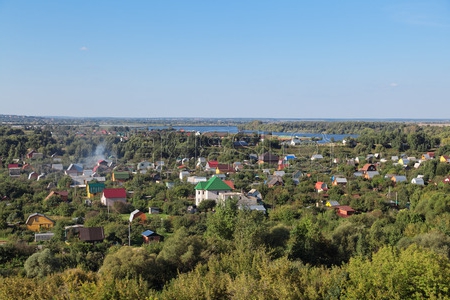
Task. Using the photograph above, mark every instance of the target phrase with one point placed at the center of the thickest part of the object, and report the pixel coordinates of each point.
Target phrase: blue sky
(255, 59)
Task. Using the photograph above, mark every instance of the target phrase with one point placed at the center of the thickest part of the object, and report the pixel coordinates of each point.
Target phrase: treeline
(335, 127)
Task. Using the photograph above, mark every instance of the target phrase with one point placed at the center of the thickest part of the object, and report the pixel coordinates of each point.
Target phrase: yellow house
(444, 158)
(38, 222)
(94, 188)
(120, 176)
(332, 203)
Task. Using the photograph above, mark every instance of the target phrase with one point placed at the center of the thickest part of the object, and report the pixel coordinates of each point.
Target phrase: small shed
(41, 237)
(398, 178)
(332, 203)
(316, 157)
(418, 181)
(91, 234)
(137, 214)
(151, 236)
(344, 211)
(153, 210)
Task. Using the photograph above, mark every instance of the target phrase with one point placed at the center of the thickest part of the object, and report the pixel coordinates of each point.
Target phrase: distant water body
(324, 138)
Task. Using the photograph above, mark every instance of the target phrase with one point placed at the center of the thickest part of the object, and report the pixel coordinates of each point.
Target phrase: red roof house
(211, 165)
(368, 167)
(110, 196)
(321, 186)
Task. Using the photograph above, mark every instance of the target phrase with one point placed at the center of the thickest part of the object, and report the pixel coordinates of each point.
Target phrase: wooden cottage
(38, 222)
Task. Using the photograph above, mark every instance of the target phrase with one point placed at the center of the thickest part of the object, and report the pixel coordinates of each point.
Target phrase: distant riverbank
(320, 137)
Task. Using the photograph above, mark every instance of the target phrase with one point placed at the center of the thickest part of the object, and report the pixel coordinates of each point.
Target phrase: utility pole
(129, 233)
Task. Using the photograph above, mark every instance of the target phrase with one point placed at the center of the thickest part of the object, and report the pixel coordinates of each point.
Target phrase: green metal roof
(96, 187)
(213, 184)
(121, 175)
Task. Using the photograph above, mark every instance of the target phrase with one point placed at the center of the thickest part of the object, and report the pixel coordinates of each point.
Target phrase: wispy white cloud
(83, 48)
(393, 84)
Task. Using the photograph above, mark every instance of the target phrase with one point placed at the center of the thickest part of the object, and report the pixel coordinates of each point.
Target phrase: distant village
(216, 182)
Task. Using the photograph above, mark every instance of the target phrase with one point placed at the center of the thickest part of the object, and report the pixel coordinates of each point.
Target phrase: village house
(370, 174)
(137, 215)
(14, 170)
(398, 178)
(444, 158)
(183, 175)
(243, 202)
(151, 236)
(118, 176)
(74, 170)
(321, 187)
(427, 156)
(224, 169)
(201, 162)
(211, 166)
(238, 166)
(33, 154)
(144, 166)
(344, 211)
(38, 222)
(154, 210)
(210, 190)
(62, 195)
(113, 195)
(268, 158)
(33, 176)
(275, 181)
(196, 179)
(418, 181)
(404, 161)
(253, 193)
(332, 203)
(94, 188)
(279, 173)
(296, 176)
(91, 234)
(368, 168)
(338, 180)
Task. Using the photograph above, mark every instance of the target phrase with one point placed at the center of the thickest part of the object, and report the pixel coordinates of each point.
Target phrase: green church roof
(213, 184)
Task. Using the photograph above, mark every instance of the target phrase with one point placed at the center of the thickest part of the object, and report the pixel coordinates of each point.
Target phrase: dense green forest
(396, 245)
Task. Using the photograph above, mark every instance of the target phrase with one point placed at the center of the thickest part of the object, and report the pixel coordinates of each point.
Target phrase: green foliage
(181, 252)
(131, 263)
(221, 223)
(41, 264)
(413, 273)
(304, 241)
